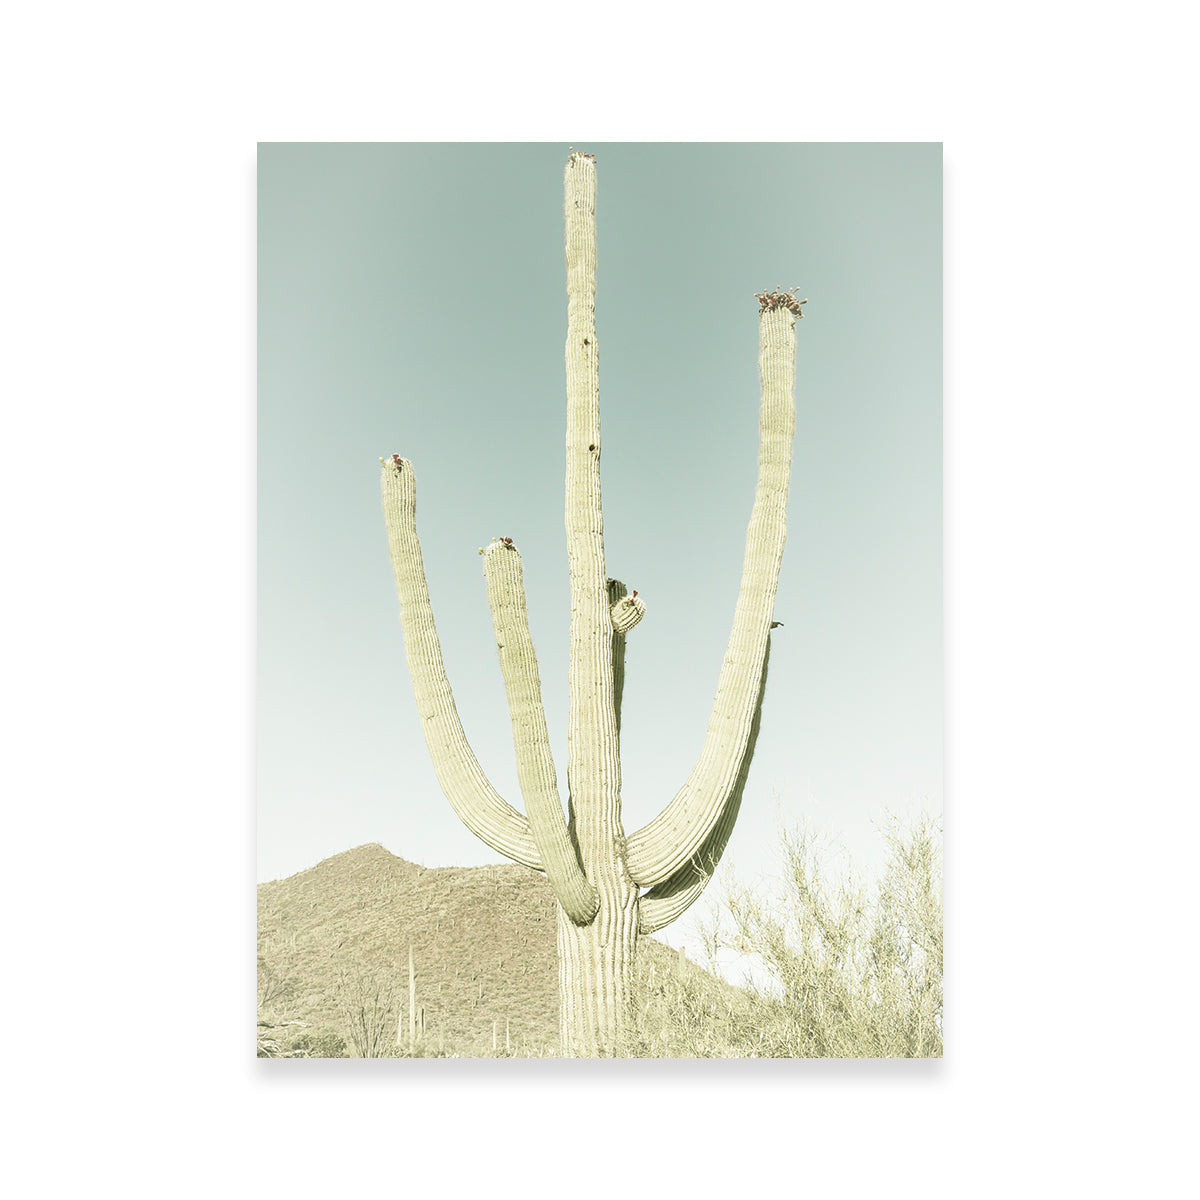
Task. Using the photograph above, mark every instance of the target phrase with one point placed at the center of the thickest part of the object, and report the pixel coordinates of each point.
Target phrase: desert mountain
(483, 942)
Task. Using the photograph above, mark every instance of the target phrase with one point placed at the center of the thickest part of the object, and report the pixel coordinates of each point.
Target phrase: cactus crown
(779, 299)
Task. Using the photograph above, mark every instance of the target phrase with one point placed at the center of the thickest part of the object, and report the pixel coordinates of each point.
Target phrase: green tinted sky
(412, 299)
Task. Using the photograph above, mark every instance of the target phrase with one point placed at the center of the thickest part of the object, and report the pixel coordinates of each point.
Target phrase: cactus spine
(609, 888)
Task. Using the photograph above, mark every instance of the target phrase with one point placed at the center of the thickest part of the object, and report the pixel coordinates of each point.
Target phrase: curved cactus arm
(623, 610)
(671, 898)
(666, 901)
(531, 738)
(459, 774)
(672, 839)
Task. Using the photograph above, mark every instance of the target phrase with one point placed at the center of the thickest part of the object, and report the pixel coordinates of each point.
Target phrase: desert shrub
(279, 1040)
(683, 1011)
(427, 1048)
(273, 989)
(320, 1043)
(274, 993)
(269, 1047)
(369, 1013)
(840, 970)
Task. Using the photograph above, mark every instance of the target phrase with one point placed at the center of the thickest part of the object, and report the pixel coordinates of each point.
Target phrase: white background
(1071, 596)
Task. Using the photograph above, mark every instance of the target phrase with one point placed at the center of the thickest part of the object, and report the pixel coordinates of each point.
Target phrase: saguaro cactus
(610, 887)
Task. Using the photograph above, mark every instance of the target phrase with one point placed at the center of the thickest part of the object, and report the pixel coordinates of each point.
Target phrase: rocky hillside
(483, 941)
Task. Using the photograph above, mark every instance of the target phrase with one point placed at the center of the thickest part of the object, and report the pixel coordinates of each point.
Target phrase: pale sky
(412, 299)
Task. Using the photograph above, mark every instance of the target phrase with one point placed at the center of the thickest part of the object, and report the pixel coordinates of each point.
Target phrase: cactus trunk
(597, 874)
(595, 961)
(595, 977)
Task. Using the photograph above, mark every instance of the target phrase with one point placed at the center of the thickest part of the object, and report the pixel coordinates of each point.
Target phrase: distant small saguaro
(412, 1001)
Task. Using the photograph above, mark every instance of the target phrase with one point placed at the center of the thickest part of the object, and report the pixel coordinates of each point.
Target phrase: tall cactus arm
(672, 839)
(593, 762)
(458, 772)
(670, 899)
(531, 738)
